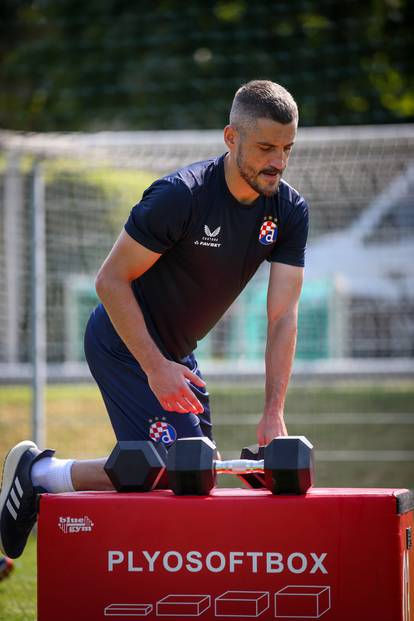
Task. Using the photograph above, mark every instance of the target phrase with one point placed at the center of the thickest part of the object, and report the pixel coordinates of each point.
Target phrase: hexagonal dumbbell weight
(288, 466)
(136, 466)
(190, 466)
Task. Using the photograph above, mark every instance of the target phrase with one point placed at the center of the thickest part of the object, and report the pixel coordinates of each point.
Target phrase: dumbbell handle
(239, 466)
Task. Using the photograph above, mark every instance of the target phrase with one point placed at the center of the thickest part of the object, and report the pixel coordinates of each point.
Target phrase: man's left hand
(270, 427)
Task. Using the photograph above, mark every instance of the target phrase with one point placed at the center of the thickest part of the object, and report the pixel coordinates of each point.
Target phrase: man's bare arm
(285, 285)
(168, 380)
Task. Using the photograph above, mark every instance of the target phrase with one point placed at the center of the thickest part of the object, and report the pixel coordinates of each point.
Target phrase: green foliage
(72, 65)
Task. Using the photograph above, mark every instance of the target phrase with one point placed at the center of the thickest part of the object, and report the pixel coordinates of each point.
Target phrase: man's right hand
(170, 383)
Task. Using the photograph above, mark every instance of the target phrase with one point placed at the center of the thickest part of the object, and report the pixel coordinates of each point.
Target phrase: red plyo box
(127, 610)
(183, 605)
(302, 601)
(242, 603)
(334, 554)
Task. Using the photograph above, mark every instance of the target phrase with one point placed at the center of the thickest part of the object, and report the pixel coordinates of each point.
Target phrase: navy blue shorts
(135, 412)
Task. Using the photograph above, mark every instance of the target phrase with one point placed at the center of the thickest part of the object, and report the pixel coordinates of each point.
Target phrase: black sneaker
(18, 497)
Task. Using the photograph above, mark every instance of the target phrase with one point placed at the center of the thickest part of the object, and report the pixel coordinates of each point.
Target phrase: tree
(71, 65)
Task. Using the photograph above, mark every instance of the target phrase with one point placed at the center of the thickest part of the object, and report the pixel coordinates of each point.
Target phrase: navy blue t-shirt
(211, 246)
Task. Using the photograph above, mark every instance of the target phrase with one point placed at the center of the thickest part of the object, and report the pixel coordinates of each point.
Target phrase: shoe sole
(9, 469)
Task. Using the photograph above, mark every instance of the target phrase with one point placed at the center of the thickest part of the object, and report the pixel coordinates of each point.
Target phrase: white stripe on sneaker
(15, 499)
(18, 486)
(11, 509)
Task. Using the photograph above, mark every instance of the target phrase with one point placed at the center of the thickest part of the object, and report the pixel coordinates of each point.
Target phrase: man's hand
(270, 427)
(170, 384)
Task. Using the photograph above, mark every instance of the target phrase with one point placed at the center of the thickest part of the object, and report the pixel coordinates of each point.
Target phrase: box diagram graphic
(302, 601)
(241, 604)
(128, 610)
(183, 605)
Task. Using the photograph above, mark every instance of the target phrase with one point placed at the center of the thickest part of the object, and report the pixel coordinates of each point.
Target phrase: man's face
(262, 153)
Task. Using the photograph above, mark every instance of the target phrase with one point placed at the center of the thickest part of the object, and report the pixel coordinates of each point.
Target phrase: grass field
(18, 591)
(373, 424)
(352, 418)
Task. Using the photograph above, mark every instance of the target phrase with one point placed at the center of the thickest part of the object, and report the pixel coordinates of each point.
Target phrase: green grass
(78, 426)
(18, 591)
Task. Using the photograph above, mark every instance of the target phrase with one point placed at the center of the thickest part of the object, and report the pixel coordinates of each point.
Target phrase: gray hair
(262, 99)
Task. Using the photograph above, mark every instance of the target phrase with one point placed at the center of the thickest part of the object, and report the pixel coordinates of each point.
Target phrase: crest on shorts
(268, 231)
(161, 431)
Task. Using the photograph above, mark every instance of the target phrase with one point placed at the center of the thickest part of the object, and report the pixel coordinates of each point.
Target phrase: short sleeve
(161, 217)
(291, 245)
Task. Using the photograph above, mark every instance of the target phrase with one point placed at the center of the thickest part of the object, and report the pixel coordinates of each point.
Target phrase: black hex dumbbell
(288, 466)
(136, 466)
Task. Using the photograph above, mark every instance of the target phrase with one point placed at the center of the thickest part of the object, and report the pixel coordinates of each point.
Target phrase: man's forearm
(280, 350)
(168, 380)
(128, 320)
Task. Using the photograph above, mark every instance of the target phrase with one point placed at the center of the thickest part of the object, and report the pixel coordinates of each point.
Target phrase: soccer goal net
(64, 199)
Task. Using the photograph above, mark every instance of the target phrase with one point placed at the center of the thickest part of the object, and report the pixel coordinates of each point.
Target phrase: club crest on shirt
(268, 231)
(161, 431)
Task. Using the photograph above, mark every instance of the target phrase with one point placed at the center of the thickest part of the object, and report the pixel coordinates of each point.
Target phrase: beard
(266, 187)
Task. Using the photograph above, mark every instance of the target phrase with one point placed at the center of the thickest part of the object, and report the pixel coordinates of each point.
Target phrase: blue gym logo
(268, 232)
(161, 431)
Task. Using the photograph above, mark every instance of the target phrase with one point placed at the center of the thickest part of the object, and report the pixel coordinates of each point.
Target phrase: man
(188, 249)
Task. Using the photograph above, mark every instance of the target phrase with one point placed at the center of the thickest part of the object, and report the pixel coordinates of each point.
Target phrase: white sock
(53, 474)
